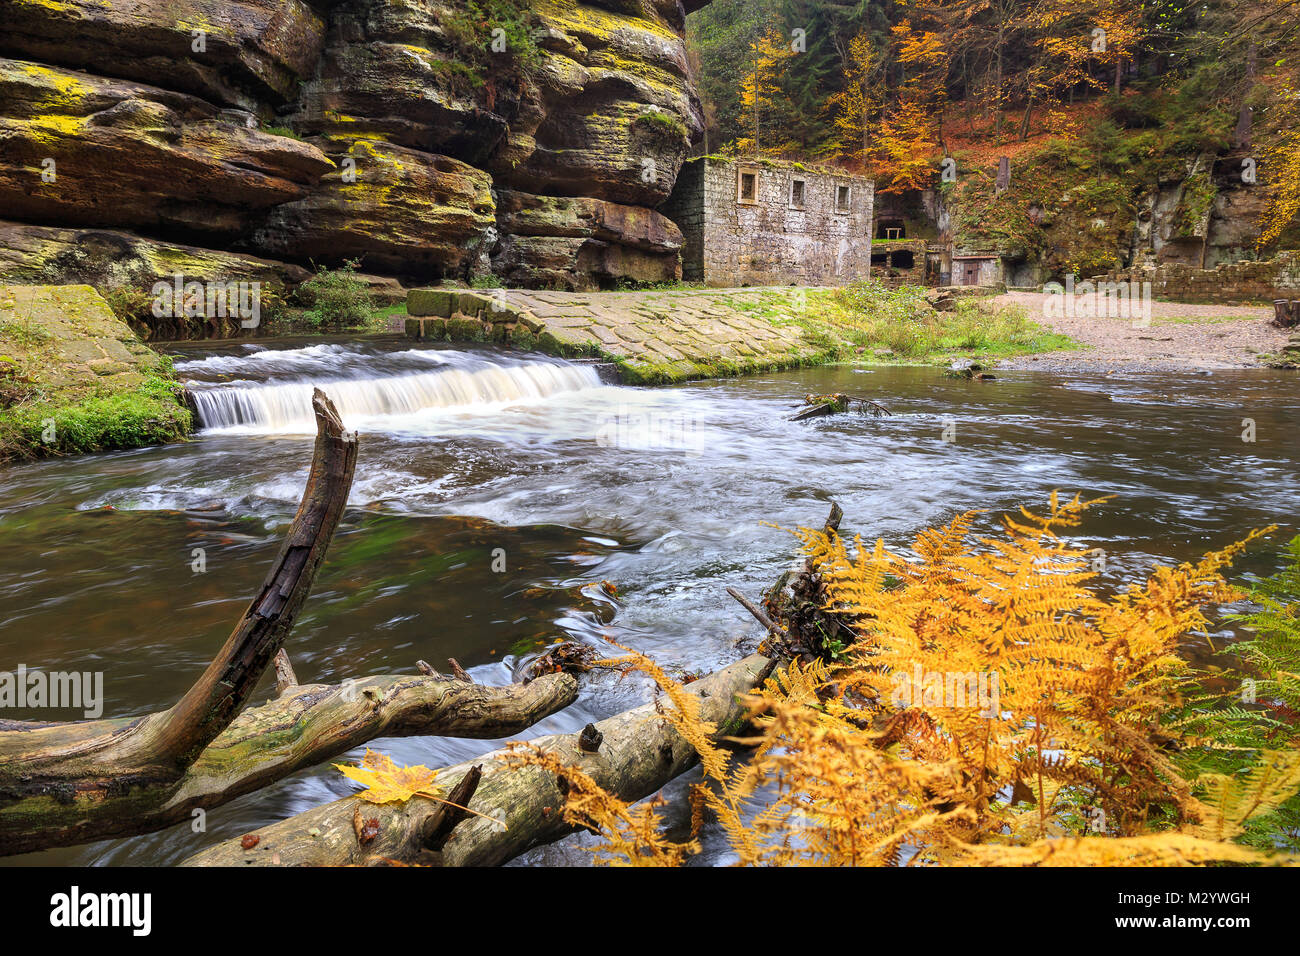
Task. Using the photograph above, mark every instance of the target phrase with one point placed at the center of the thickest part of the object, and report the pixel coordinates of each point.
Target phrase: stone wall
(899, 261)
(1260, 281)
(769, 235)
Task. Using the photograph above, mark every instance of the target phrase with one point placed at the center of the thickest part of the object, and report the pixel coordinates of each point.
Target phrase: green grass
(149, 414)
(664, 123)
(281, 131)
(861, 318)
(26, 334)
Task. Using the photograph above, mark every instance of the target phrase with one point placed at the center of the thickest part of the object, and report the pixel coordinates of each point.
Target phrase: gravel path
(1180, 336)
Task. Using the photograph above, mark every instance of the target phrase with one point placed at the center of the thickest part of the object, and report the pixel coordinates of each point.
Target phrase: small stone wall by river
(1230, 283)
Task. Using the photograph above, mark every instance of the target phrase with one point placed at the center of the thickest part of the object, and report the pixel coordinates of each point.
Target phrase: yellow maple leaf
(386, 782)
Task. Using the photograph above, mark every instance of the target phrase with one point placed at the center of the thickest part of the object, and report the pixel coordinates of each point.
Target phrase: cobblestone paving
(655, 336)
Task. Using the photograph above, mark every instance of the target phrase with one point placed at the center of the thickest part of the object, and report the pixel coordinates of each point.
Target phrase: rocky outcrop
(613, 115)
(233, 52)
(413, 73)
(109, 258)
(576, 243)
(429, 138)
(82, 150)
(398, 209)
(1208, 217)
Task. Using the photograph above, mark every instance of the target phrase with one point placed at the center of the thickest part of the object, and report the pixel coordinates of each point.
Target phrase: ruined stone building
(771, 223)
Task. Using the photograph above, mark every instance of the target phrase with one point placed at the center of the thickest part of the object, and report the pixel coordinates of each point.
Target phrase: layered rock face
(431, 139)
(1206, 219)
(125, 154)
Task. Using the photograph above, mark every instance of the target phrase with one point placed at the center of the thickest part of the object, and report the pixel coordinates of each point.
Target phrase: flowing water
(496, 492)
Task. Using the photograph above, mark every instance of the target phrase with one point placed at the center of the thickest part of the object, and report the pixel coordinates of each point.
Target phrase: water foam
(464, 382)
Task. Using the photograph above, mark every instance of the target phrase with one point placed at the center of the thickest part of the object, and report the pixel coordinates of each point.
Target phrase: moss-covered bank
(74, 378)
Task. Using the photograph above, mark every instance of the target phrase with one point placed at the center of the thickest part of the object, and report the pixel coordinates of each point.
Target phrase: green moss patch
(74, 378)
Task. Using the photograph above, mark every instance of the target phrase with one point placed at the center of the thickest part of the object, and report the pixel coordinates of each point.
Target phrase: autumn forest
(892, 88)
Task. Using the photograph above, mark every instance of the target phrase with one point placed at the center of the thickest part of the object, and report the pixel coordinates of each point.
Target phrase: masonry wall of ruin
(896, 262)
(771, 224)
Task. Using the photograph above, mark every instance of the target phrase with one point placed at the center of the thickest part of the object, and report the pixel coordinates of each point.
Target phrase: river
(496, 492)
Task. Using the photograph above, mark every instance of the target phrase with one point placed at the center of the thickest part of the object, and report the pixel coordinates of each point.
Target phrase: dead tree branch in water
(515, 807)
(817, 406)
(69, 783)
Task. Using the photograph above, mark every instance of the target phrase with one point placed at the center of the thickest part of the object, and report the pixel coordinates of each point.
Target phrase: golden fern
(993, 710)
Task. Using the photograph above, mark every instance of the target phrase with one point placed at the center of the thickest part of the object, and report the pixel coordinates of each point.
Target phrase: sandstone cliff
(530, 139)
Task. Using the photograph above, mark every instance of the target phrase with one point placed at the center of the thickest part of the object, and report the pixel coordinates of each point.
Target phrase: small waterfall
(286, 406)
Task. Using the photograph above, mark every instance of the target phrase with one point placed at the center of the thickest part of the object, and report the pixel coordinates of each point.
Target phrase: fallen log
(515, 807)
(309, 724)
(68, 783)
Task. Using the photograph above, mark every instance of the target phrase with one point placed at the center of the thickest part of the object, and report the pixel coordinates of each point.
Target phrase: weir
(377, 386)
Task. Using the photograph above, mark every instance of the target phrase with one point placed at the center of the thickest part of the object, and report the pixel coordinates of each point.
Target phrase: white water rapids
(273, 392)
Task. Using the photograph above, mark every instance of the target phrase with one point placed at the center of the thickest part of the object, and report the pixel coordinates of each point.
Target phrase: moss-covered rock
(84, 150)
(398, 209)
(251, 49)
(74, 378)
(587, 107)
(617, 116)
(582, 243)
(432, 302)
(113, 259)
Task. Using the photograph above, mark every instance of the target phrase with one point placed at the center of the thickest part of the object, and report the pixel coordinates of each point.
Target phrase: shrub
(337, 297)
(130, 304)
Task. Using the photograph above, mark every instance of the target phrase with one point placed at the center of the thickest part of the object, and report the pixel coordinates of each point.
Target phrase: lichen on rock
(400, 132)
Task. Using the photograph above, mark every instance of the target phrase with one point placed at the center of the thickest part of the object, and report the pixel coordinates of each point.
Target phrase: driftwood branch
(285, 678)
(68, 783)
(515, 807)
(223, 689)
(310, 724)
(437, 826)
(758, 613)
(817, 406)
(76, 777)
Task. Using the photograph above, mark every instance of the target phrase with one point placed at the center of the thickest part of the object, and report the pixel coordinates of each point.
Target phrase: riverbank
(660, 336)
(74, 378)
(1181, 337)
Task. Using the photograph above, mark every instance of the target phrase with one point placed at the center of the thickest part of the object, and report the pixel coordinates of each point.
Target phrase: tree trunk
(639, 752)
(1241, 135)
(309, 724)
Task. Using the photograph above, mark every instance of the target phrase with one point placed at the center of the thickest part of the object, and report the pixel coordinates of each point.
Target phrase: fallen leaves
(386, 782)
(365, 829)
